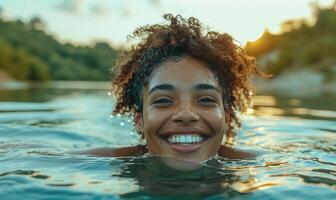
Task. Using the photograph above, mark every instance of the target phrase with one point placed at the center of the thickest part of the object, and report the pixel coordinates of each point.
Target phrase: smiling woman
(183, 113)
(184, 89)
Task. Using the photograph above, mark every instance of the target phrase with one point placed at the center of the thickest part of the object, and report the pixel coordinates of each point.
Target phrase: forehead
(182, 72)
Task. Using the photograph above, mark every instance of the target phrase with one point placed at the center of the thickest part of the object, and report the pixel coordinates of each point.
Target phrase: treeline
(302, 44)
(28, 53)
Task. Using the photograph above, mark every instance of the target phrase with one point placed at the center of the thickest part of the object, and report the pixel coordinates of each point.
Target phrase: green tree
(36, 23)
(34, 55)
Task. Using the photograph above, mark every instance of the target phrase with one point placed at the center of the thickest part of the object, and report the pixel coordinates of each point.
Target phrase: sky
(87, 21)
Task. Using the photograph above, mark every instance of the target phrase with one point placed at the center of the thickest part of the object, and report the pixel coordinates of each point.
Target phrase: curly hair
(158, 43)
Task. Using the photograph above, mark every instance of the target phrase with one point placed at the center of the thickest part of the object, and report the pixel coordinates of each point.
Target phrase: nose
(185, 115)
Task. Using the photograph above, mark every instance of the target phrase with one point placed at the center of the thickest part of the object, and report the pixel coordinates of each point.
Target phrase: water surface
(39, 124)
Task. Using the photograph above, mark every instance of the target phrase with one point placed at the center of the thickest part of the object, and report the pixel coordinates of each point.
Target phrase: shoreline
(300, 83)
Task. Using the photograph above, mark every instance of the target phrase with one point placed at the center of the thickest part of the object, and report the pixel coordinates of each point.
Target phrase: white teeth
(185, 139)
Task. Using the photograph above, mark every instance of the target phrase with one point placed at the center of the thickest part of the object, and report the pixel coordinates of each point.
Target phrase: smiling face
(183, 114)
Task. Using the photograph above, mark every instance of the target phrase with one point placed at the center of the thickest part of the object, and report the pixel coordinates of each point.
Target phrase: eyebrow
(204, 86)
(162, 87)
(168, 87)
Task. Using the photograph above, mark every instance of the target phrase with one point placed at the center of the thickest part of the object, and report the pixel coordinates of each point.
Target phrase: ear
(138, 124)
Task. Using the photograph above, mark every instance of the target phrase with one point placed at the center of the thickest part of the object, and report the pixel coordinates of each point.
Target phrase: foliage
(20, 64)
(28, 53)
(300, 45)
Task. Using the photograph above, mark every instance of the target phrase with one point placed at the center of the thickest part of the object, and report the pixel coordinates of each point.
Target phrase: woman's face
(183, 114)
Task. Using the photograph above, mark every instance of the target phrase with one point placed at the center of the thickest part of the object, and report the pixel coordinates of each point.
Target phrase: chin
(181, 164)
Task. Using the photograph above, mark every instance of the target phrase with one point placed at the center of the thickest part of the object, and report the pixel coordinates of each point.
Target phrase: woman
(184, 89)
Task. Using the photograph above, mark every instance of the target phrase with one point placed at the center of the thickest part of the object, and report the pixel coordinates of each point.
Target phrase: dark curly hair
(158, 43)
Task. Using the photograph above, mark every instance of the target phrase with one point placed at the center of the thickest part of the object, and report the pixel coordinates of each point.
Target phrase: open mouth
(185, 142)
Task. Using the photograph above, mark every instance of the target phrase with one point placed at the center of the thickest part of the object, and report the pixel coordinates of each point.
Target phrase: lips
(185, 140)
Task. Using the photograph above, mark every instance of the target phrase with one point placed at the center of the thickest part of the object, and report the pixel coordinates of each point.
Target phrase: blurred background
(81, 39)
(58, 57)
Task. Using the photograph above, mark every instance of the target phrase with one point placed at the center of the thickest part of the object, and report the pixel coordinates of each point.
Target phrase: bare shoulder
(114, 152)
(235, 153)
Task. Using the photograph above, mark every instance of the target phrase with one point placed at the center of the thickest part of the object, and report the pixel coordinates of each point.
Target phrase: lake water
(39, 124)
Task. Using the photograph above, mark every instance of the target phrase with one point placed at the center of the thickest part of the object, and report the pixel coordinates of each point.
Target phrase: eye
(163, 102)
(207, 101)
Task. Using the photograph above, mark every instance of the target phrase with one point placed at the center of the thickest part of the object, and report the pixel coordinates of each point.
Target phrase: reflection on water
(154, 177)
(39, 124)
(311, 108)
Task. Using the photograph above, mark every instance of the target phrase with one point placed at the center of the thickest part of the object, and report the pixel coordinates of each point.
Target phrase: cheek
(215, 119)
(154, 120)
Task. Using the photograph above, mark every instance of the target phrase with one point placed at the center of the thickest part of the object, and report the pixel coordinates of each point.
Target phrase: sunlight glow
(85, 21)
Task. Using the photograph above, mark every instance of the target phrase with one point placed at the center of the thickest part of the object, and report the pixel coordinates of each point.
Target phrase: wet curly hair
(180, 37)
